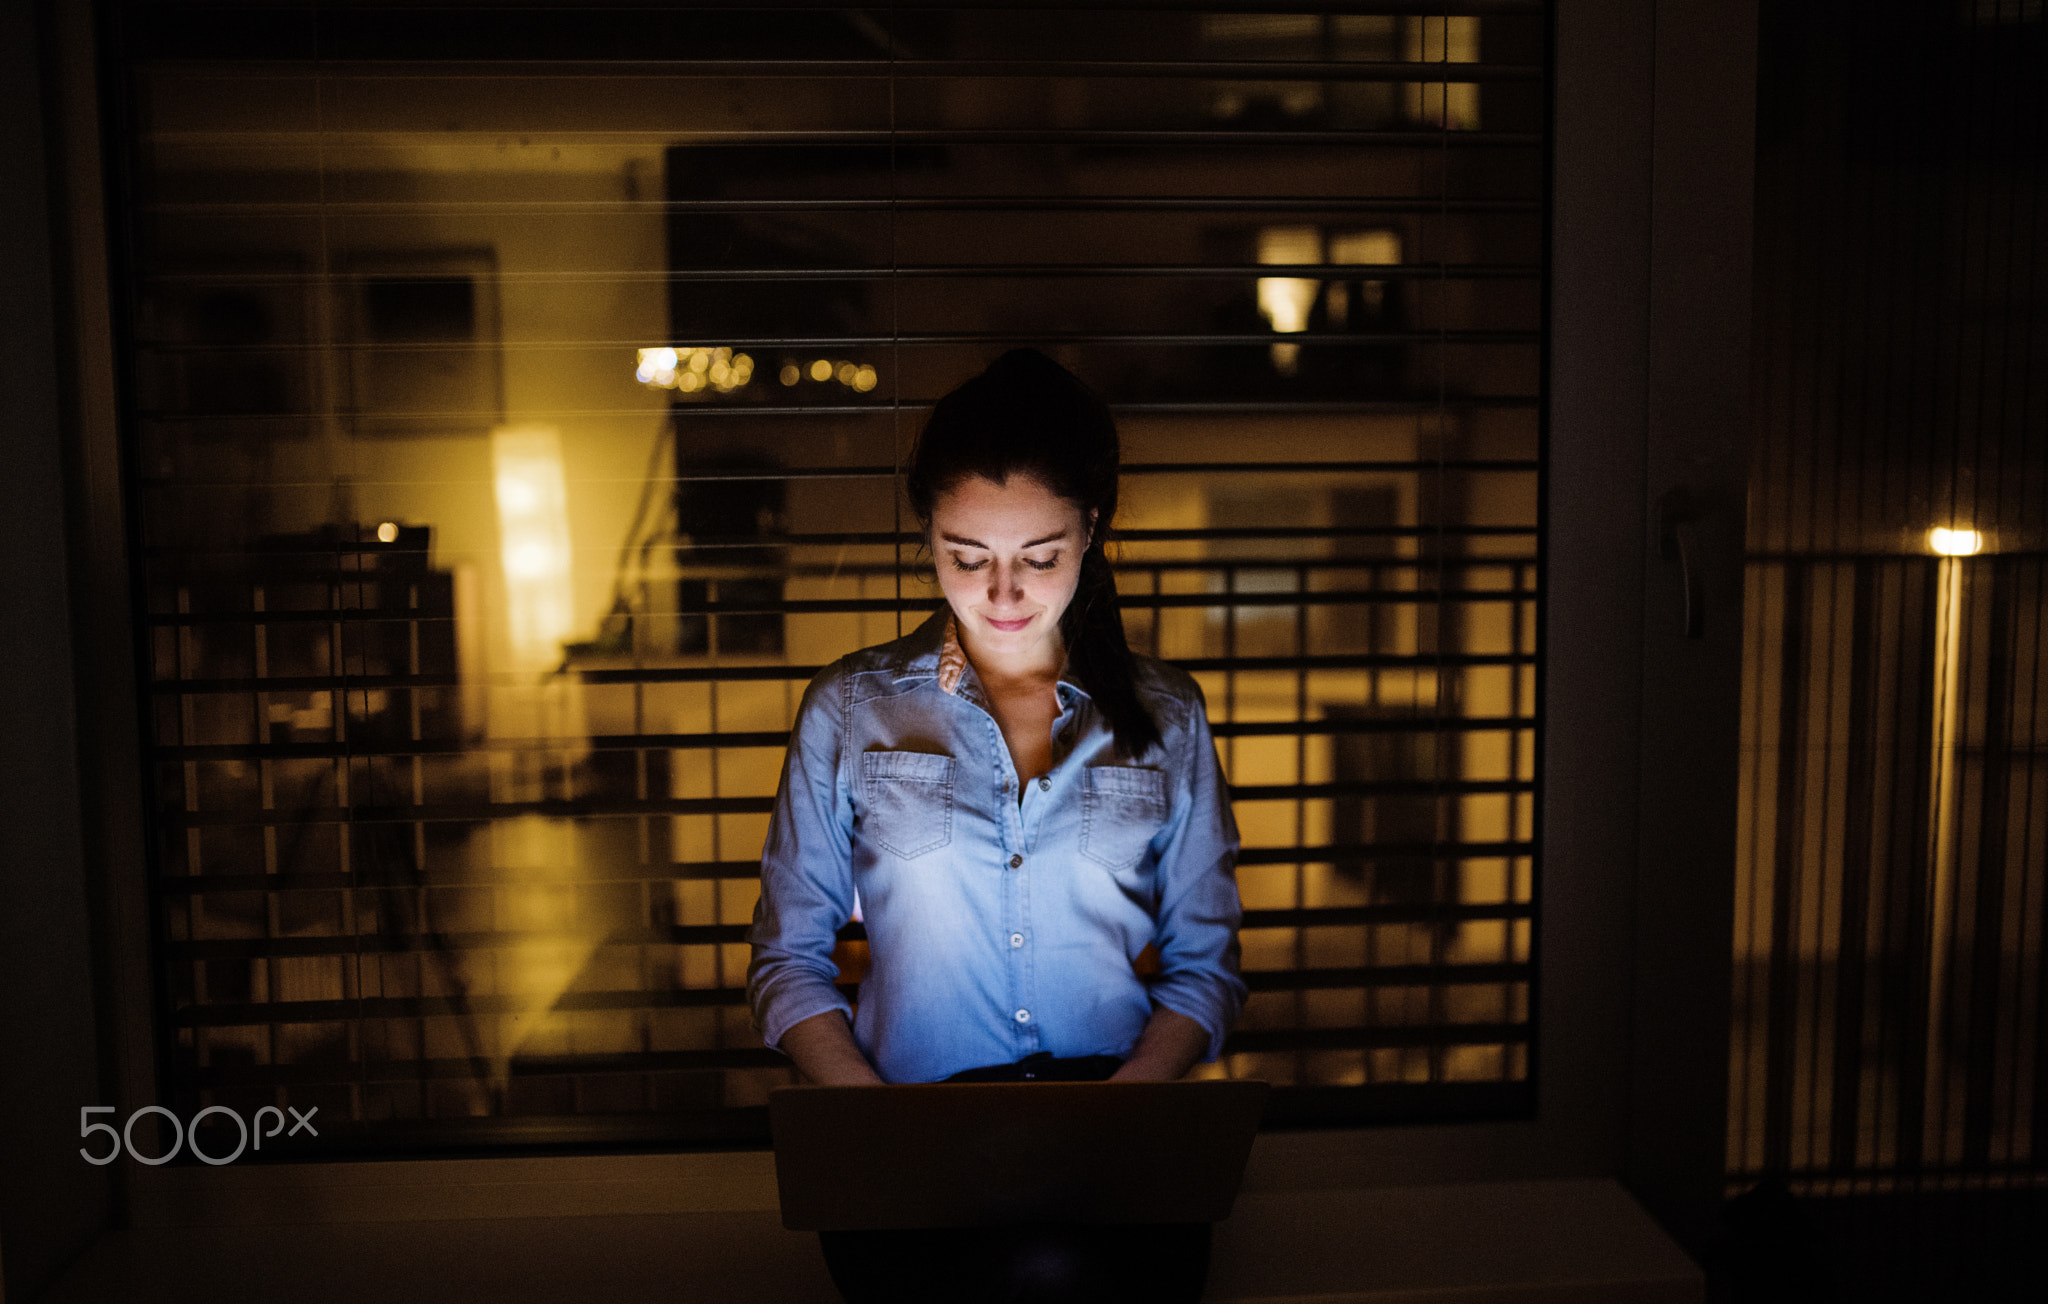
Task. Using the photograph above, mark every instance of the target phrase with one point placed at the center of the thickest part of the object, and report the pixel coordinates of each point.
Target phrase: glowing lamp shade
(1285, 301)
(533, 542)
(1955, 543)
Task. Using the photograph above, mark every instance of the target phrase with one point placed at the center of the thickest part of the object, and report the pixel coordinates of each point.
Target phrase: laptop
(984, 1154)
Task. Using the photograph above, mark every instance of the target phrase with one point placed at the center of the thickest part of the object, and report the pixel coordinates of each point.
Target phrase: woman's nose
(1004, 582)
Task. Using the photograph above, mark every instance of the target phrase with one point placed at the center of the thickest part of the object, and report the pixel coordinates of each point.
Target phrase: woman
(1020, 805)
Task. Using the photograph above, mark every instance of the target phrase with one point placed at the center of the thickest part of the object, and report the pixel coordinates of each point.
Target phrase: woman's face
(1009, 558)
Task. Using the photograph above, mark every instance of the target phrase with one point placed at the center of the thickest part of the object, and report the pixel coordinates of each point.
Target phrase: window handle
(1678, 540)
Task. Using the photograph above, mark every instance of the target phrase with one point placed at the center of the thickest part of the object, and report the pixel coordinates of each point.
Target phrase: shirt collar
(952, 657)
(952, 665)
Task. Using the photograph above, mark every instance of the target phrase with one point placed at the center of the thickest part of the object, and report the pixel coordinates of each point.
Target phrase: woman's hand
(1168, 1049)
(824, 1049)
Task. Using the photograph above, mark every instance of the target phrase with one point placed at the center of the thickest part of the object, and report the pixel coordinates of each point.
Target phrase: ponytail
(1093, 627)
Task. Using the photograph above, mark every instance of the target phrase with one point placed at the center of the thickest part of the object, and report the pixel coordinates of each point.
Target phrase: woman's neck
(1037, 666)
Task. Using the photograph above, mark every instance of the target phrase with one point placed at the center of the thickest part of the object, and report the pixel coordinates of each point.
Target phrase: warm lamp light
(860, 377)
(1955, 543)
(693, 369)
(1285, 301)
(533, 541)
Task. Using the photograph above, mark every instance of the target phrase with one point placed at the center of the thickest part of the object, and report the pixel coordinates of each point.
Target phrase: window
(1889, 979)
(519, 396)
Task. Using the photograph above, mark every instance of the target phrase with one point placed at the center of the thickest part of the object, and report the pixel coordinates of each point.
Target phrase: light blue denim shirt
(996, 927)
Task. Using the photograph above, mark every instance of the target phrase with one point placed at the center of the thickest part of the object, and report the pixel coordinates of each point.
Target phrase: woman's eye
(970, 567)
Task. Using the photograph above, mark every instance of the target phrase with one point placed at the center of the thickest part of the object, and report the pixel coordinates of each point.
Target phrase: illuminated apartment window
(518, 410)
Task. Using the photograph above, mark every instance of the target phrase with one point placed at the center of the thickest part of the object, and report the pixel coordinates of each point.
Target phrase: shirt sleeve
(806, 873)
(1197, 880)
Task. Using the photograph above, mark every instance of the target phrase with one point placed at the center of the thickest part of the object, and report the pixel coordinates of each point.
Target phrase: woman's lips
(1008, 626)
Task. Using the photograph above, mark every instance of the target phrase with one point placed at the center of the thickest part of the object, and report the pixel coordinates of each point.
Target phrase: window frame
(1611, 375)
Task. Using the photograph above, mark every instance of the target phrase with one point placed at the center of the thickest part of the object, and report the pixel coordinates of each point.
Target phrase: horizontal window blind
(519, 397)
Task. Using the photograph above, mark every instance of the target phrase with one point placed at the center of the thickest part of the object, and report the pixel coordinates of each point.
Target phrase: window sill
(370, 1237)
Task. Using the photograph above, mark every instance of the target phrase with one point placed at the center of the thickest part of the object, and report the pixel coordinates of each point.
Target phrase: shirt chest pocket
(909, 799)
(1122, 808)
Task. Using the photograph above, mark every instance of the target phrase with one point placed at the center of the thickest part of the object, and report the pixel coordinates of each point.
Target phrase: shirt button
(1016, 940)
(1044, 784)
(1016, 862)
(1023, 1016)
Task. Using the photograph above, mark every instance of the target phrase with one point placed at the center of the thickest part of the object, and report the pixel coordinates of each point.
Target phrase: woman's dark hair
(1028, 415)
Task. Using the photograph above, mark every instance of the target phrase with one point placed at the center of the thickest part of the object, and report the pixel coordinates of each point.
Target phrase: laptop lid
(977, 1154)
